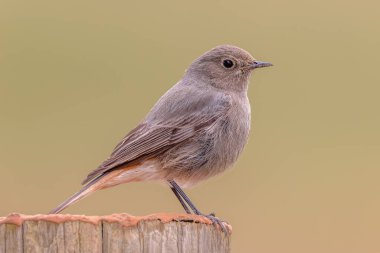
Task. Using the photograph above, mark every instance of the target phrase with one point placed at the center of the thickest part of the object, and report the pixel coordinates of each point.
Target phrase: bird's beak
(261, 64)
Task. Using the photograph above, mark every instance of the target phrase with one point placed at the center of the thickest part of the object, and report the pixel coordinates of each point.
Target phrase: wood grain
(164, 233)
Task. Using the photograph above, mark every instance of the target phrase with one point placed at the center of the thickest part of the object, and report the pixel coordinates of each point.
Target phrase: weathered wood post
(61, 233)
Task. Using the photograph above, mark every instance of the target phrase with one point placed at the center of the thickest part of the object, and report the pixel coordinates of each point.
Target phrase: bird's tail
(108, 179)
(84, 192)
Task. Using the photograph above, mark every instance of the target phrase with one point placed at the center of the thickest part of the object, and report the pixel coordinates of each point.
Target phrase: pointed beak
(261, 64)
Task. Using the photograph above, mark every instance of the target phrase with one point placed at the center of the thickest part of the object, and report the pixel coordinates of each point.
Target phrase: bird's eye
(228, 64)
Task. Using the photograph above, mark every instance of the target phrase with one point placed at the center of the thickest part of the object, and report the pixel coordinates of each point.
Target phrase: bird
(196, 130)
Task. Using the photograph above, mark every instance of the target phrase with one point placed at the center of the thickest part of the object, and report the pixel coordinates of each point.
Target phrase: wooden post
(61, 233)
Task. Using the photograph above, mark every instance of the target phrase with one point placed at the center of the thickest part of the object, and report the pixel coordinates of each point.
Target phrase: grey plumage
(196, 130)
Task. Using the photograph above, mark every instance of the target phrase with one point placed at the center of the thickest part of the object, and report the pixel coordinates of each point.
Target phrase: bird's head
(227, 67)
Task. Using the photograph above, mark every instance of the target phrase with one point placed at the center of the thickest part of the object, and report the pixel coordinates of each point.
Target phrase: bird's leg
(182, 197)
(183, 203)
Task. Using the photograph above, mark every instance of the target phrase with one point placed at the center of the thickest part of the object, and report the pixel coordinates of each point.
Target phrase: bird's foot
(217, 222)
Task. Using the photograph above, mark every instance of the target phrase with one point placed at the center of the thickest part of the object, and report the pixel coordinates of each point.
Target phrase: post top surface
(121, 218)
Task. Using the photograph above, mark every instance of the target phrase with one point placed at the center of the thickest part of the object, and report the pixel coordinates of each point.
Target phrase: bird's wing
(150, 139)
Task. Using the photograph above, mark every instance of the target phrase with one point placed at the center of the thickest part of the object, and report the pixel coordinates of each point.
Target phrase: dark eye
(228, 64)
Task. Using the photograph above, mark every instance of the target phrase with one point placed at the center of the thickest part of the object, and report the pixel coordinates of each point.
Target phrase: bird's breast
(233, 133)
(214, 149)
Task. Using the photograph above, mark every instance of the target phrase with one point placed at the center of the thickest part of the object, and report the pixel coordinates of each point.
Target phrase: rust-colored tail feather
(85, 191)
(106, 180)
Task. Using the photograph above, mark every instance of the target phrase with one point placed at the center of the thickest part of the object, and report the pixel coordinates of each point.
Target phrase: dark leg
(181, 200)
(182, 197)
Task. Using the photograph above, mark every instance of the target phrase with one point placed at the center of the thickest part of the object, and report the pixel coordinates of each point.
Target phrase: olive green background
(76, 76)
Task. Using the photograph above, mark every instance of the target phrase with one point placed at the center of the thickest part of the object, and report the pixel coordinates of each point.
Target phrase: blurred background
(76, 76)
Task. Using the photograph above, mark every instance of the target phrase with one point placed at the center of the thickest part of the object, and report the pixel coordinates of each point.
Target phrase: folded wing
(150, 139)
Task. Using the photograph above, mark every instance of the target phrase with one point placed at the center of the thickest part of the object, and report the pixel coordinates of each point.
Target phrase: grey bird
(196, 130)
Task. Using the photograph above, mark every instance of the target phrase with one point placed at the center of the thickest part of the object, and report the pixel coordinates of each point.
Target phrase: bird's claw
(212, 214)
(216, 221)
